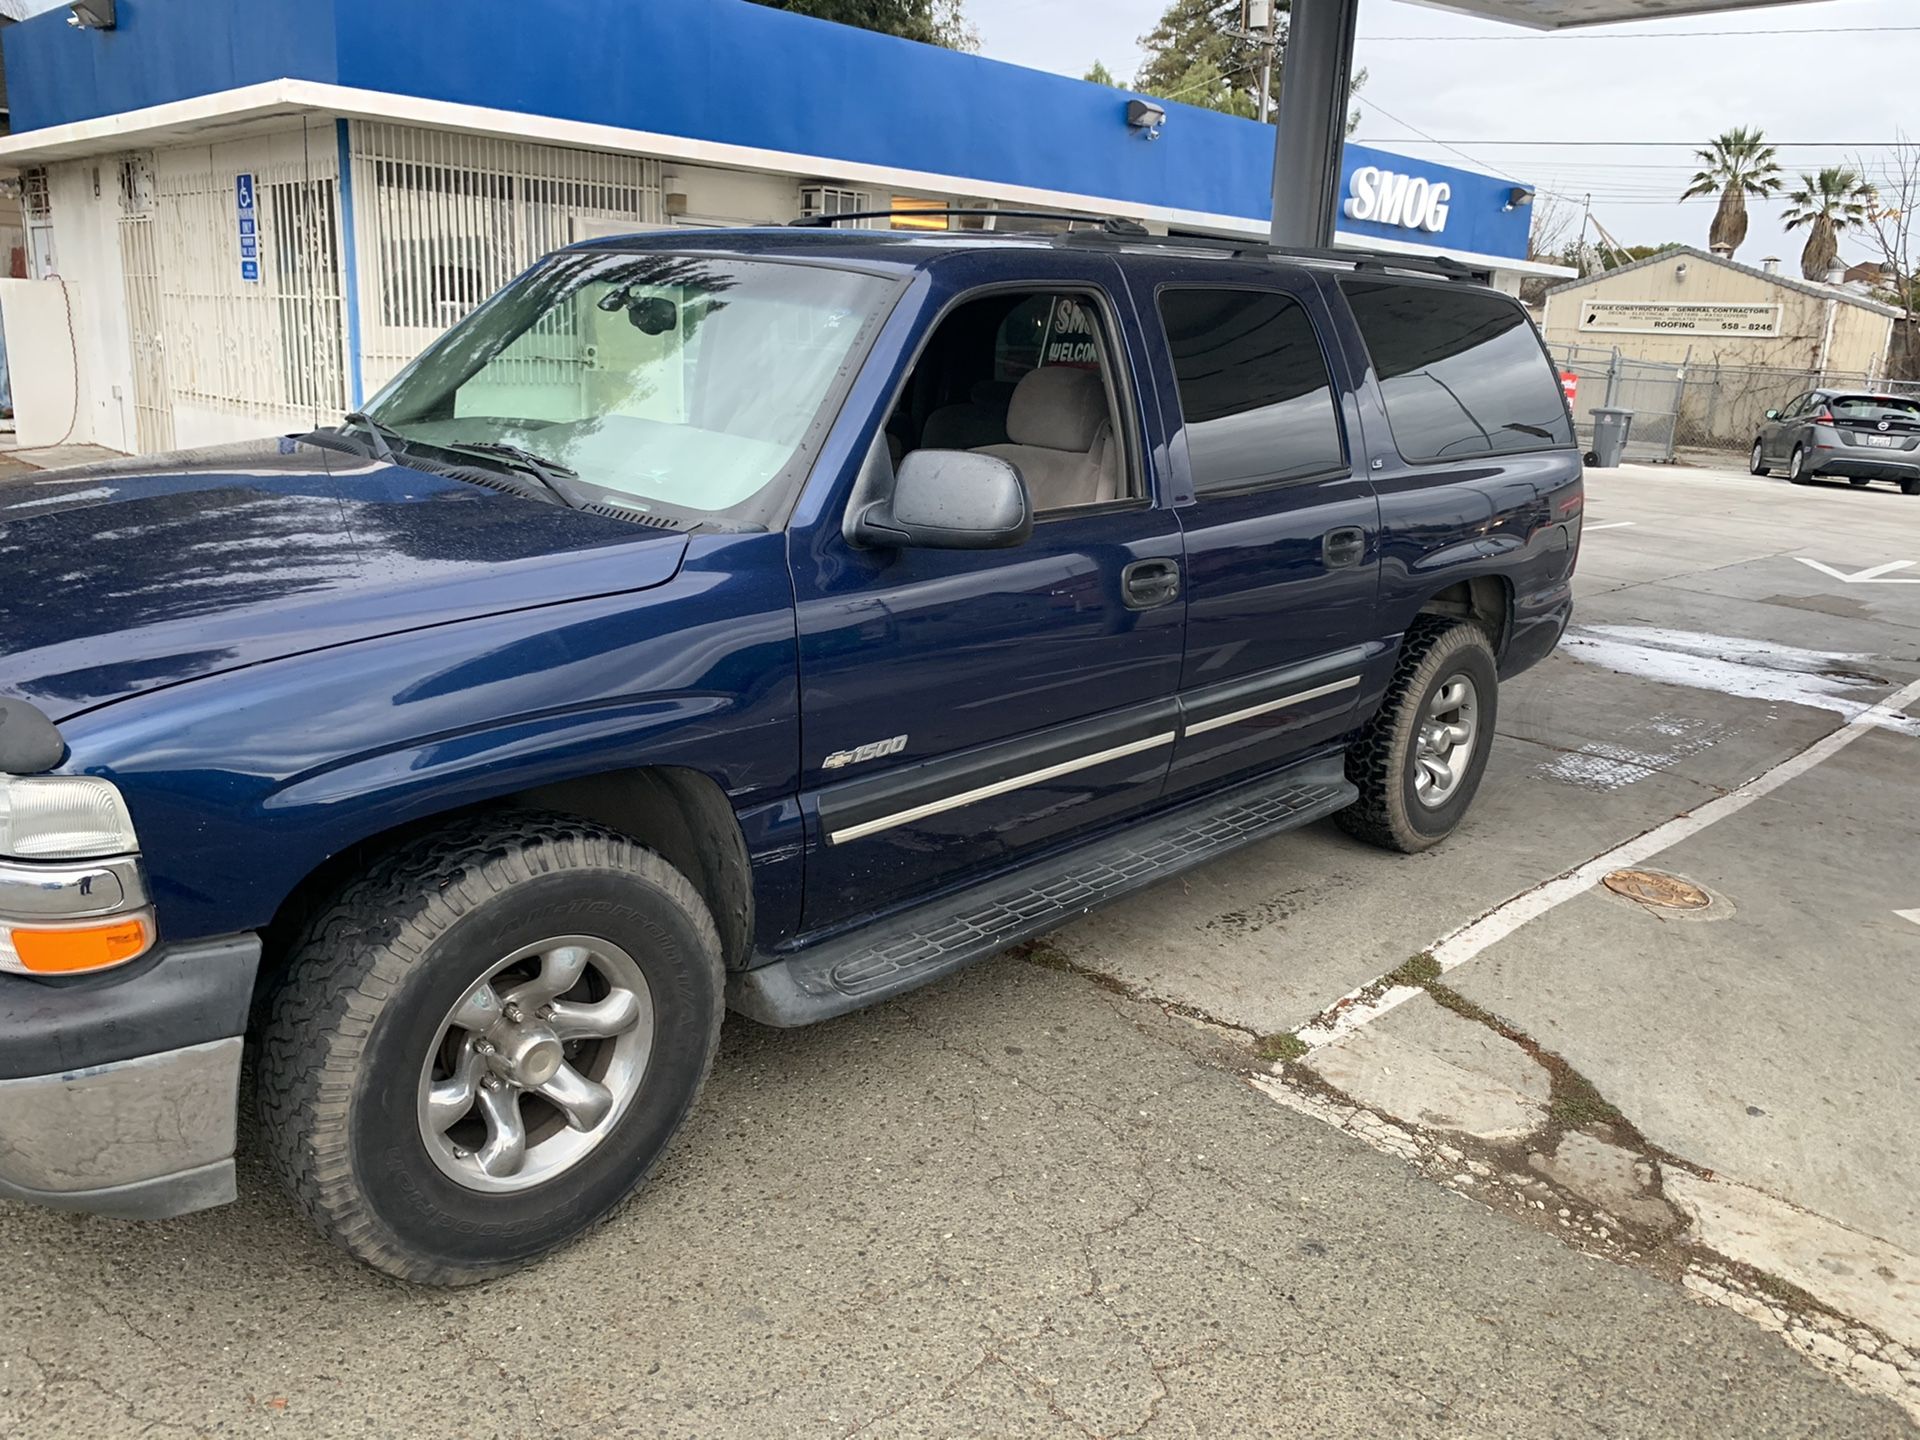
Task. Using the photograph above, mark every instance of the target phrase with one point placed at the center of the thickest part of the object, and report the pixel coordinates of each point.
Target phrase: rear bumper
(1864, 464)
(118, 1095)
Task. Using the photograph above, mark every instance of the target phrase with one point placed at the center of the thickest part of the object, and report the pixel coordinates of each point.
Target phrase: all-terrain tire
(351, 1019)
(1381, 761)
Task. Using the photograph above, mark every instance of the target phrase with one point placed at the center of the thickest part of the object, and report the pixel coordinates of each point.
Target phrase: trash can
(1610, 430)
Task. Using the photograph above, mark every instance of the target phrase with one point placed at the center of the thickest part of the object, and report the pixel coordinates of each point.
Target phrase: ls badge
(872, 750)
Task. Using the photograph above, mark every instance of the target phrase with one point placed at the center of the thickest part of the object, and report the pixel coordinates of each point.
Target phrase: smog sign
(1660, 317)
(248, 230)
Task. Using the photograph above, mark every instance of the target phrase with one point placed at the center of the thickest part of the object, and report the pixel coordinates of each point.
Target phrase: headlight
(63, 817)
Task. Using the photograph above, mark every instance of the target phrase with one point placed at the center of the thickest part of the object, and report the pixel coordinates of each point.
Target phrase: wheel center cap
(528, 1055)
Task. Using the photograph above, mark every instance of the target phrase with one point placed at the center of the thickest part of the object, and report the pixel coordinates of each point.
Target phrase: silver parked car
(1858, 437)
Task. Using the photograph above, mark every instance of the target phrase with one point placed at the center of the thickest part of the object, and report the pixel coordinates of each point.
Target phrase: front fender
(242, 784)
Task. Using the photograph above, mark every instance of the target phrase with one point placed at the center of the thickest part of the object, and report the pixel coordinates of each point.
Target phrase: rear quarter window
(1462, 372)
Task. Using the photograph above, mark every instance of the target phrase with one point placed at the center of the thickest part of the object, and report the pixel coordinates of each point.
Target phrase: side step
(907, 950)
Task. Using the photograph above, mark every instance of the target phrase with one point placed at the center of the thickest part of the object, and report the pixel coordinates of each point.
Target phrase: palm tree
(1835, 200)
(1737, 164)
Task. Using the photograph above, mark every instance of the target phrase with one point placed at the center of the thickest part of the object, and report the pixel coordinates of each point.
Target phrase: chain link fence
(1699, 405)
(1604, 378)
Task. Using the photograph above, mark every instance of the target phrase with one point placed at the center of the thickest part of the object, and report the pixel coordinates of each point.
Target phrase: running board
(908, 950)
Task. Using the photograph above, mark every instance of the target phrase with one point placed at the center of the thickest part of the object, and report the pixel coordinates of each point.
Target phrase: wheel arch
(679, 813)
(1485, 600)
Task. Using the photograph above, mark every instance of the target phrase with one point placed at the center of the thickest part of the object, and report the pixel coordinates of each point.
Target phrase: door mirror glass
(1773, 414)
(950, 500)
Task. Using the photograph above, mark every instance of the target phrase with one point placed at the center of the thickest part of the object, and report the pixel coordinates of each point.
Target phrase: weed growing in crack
(1284, 1045)
(1418, 970)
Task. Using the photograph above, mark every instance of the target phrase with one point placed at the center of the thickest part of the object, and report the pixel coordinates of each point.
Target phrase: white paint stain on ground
(1747, 669)
(1607, 766)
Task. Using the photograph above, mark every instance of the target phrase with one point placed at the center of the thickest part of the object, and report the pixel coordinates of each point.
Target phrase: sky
(1481, 86)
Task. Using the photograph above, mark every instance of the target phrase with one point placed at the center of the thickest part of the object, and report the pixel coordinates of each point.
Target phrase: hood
(127, 576)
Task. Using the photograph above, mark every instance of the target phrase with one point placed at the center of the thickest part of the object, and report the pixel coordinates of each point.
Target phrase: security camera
(91, 14)
(1147, 116)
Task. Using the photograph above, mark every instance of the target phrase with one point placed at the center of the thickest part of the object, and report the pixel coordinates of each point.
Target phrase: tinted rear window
(1874, 407)
(1462, 371)
(1254, 389)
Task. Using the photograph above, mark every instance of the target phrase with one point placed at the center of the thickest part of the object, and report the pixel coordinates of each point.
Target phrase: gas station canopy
(1565, 14)
(1315, 87)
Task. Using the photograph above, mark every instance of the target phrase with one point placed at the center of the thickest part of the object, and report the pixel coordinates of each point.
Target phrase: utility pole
(1256, 19)
(1315, 81)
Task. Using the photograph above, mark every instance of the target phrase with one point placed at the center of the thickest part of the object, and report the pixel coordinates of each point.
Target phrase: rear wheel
(1859, 479)
(1910, 487)
(1757, 462)
(1797, 467)
(1420, 760)
(486, 1042)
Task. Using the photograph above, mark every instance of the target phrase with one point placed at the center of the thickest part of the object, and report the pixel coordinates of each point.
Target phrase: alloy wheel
(1444, 743)
(536, 1064)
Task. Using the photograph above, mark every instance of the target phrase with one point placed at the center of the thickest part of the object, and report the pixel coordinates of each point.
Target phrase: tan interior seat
(1061, 438)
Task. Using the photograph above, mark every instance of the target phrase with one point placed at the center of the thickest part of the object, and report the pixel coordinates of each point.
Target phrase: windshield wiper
(550, 473)
(384, 437)
(1528, 429)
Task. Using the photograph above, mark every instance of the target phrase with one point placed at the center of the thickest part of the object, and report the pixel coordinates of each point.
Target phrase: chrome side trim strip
(999, 787)
(1234, 717)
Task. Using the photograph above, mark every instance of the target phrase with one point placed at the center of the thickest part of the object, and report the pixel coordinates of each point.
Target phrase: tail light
(1825, 417)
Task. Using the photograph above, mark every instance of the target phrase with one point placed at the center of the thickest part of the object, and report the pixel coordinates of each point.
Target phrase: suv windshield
(1874, 407)
(655, 381)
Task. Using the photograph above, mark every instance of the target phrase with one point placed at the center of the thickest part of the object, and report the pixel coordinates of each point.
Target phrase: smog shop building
(245, 216)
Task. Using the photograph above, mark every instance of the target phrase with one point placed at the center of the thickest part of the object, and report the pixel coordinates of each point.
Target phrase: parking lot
(1316, 1140)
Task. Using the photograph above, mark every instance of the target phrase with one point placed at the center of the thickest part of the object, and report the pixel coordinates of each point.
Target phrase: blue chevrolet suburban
(774, 619)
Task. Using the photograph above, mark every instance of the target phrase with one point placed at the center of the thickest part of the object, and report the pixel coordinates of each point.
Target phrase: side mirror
(1773, 414)
(949, 500)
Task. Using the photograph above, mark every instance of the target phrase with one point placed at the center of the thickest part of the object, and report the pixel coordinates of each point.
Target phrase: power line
(1473, 160)
(1646, 35)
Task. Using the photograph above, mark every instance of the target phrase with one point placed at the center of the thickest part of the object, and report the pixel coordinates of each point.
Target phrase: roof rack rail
(1118, 230)
(1358, 257)
(1109, 224)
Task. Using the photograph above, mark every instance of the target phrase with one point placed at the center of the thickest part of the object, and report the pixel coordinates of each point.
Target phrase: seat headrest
(1058, 408)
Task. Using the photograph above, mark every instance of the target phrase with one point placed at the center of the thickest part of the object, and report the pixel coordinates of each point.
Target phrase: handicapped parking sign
(245, 226)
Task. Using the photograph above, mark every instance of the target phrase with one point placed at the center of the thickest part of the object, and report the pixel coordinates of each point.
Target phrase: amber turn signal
(74, 950)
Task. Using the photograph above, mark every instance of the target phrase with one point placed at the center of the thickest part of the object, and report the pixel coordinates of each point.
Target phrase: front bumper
(119, 1093)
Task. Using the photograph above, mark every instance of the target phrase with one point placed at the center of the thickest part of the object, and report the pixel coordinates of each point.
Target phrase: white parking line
(1610, 525)
(1872, 575)
(1364, 1006)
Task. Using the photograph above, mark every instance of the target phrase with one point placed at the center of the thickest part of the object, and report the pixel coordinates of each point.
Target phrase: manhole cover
(1655, 887)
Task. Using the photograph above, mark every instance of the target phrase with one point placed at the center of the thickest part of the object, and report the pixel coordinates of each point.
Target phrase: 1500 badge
(872, 750)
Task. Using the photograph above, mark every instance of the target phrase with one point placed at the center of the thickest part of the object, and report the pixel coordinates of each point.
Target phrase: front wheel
(1420, 760)
(1757, 462)
(486, 1042)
